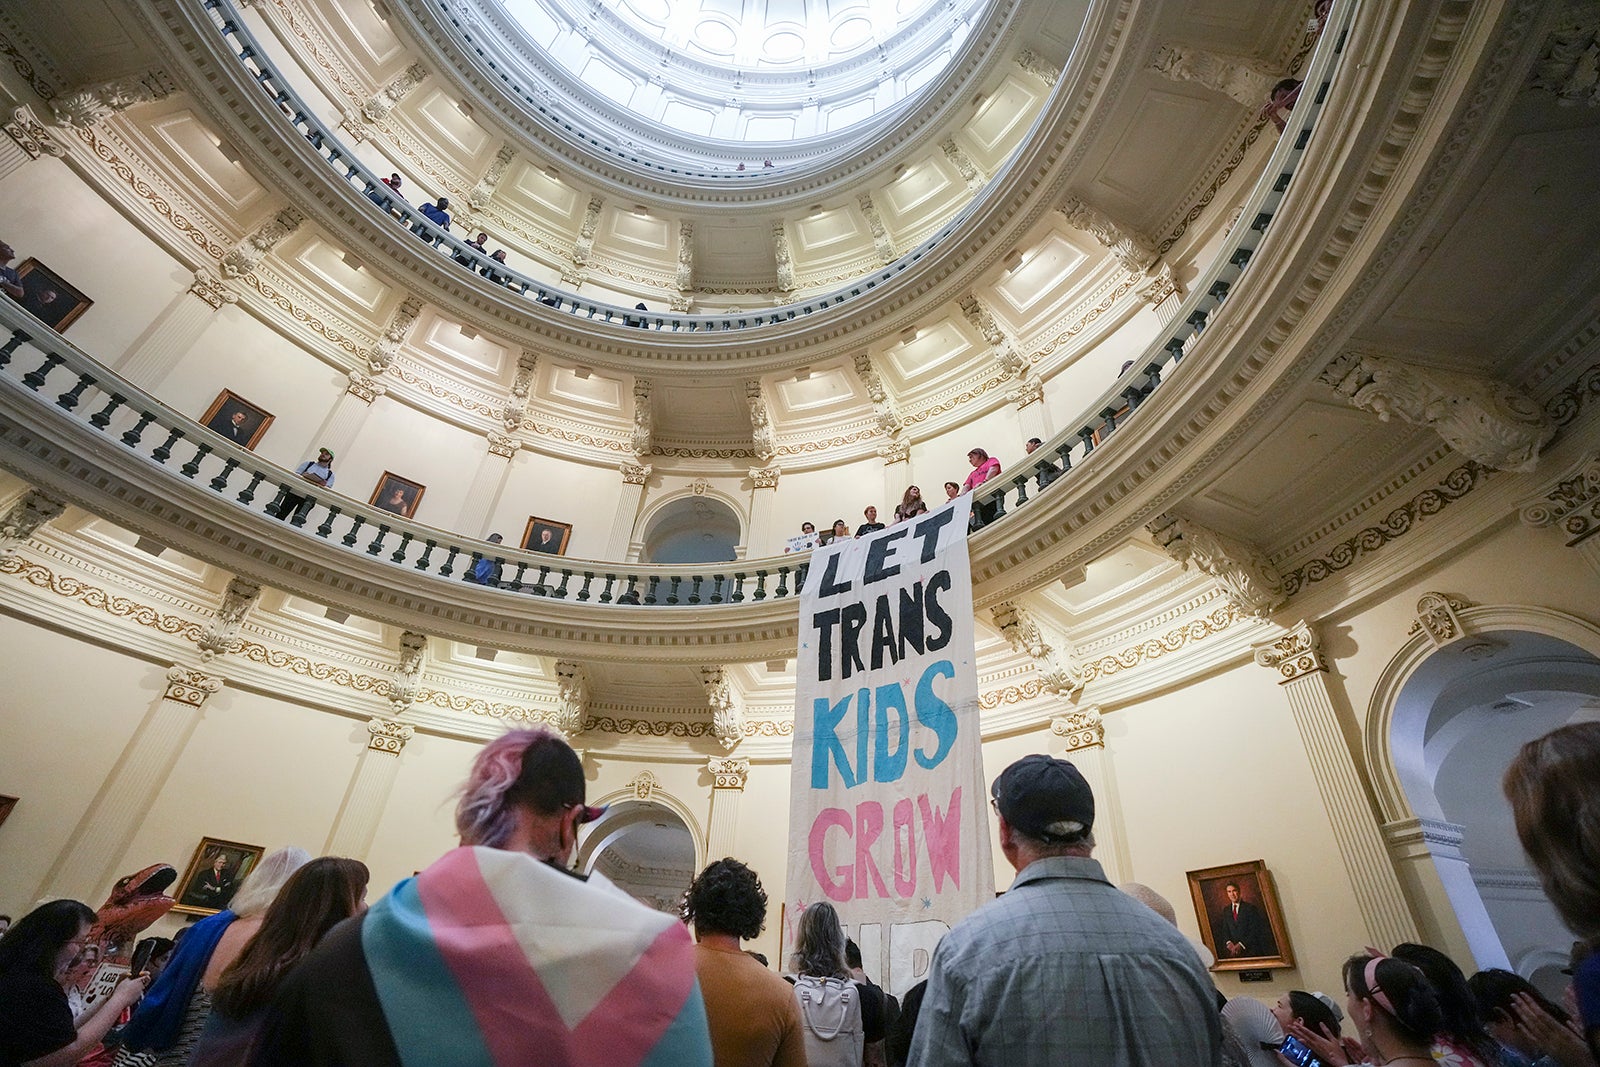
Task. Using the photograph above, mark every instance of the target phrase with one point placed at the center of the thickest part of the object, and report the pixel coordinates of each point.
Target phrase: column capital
(1082, 728)
(364, 387)
(728, 772)
(185, 685)
(502, 444)
(1242, 569)
(1294, 655)
(211, 289)
(1571, 502)
(386, 735)
(635, 473)
(33, 509)
(765, 477)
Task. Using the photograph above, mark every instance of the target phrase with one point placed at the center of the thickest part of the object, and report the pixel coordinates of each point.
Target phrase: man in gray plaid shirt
(1065, 969)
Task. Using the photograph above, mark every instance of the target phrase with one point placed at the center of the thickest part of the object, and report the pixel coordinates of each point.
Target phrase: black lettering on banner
(940, 618)
(830, 585)
(825, 621)
(911, 620)
(928, 531)
(883, 634)
(852, 618)
(877, 552)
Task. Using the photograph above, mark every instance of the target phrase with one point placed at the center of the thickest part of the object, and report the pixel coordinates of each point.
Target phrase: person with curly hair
(753, 1015)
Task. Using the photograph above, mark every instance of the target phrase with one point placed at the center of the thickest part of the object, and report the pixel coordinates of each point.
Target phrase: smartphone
(141, 957)
(1298, 1053)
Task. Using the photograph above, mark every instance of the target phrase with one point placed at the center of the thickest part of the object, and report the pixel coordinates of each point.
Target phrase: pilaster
(360, 811)
(1084, 734)
(488, 482)
(1427, 853)
(175, 331)
(1297, 659)
(728, 777)
(635, 477)
(341, 429)
(762, 539)
(93, 853)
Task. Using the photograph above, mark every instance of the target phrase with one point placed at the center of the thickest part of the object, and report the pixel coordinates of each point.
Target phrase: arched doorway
(691, 529)
(645, 848)
(1457, 720)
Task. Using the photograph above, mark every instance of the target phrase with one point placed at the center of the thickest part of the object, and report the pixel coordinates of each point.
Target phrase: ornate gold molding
(188, 686)
(386, 735)
(1295, 655)
(41, 577)
(728, 772)
(1172, 641)
(644, 785)
(1437, 617)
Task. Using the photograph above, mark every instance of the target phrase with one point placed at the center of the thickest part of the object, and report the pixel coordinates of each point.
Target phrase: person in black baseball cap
(1139, 993)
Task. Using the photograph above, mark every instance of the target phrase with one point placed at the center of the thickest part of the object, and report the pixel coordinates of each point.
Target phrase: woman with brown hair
(1555, 800)
(911, 505)
(318, 896)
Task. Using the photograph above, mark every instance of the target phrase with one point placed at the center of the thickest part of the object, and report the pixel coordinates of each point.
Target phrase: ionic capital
(386, 735)
(1083, 728)
(728, 772)
(1295, 655)
(185, 685)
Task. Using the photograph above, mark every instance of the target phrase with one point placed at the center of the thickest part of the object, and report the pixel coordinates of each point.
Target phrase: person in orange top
(753, 1014)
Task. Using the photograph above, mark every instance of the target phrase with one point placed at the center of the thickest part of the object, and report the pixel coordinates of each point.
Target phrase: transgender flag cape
(493, 959)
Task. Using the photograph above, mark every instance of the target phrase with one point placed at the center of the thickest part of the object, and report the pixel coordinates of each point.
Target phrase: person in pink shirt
(983, 468)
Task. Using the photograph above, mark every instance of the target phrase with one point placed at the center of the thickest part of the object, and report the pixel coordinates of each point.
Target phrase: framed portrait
(214, 875)
(6, 804)
(236, 419)
(48, 296)
(546, 535)
(1240, 919)
(397, 494)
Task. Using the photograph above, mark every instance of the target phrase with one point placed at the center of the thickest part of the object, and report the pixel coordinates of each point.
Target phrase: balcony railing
(1057, 458)
(39, 363)
(244, 47)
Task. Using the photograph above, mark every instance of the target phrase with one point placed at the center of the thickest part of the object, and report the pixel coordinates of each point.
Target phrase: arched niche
(691, 528)
(650, 848)
(1444, 722)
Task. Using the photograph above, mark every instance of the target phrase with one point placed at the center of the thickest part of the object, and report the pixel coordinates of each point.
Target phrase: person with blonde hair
(839, 1017)
(498, 953)
(1554, 788)
(167, 1023)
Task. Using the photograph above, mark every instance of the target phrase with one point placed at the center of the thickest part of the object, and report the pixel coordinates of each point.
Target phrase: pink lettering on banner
(942, 833)
(869, 825)
(834, 883)
(905, 848)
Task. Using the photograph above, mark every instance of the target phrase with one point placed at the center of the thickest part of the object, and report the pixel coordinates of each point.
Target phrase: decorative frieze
(572, 696)
(386, 735)
(1081, 729)
(185, 685)
(1569, 57)
(31, 136)
(887, 253)
(727, 708)
(211, 289)
(728, 772)
(1243, 571)
(248, 254)
(643, 418)
(1131, 251)
(1572, 503)
(381, 355)
(1437, 616)
(644, 785)
(1295, 655)
(1234, 77)
(406, 680)
(1484, 419)
(1057, 673)
(1034, 64)
(86, 105)
(963, 163)
(222, 636)
(30, 511)
(763, 439)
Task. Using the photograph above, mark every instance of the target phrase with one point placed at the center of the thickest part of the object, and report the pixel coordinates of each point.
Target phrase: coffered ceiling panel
(1245, 27)
(1002, 120)
(1529, 225)
(639, 237)
(699, 411)
(344, 278)
(926, 194)
(822, 394)
(459, 347)
(936, 354)
(1050, 273)
(1147, 167)
(453, 132)
(543, 196)
(730, 252)
(206, 160)
(585, 388)
(367, 33)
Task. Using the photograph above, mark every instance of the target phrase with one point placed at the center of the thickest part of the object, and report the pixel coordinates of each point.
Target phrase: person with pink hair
(498, 953)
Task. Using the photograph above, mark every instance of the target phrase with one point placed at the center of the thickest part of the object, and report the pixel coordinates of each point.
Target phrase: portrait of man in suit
(236, 419)
(1241, 928)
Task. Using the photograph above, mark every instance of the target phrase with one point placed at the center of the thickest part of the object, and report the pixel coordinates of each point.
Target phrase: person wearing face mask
(498, 953)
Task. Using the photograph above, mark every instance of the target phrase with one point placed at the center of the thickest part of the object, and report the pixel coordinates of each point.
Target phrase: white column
(635, 476)
(1034, 418)
(175, 331)
(1085, 734)
(362, 808)
(88, 862)
(494, 469)
(1297, 657)
(728, 776)
(763, 540)
(1428, 853)
(342, 427)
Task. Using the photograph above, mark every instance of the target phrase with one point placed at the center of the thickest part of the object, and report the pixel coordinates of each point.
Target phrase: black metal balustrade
(1057, 458)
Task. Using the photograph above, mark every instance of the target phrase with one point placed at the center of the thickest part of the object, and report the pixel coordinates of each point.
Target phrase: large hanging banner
(888, 807)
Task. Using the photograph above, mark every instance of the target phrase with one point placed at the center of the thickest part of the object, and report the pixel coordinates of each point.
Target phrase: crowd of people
(499, 953)
(388, 196)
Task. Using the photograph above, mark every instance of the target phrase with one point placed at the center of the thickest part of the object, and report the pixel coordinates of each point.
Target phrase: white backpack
(830, 1010)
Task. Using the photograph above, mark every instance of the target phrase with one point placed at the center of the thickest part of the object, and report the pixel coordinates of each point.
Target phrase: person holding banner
(1064, 968)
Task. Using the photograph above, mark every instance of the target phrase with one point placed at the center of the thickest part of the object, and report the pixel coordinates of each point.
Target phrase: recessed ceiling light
(468, 332)
(351, 261)
(1013, 261)
(909, 334)
(464, 107)
(803, 374)
(582, 373)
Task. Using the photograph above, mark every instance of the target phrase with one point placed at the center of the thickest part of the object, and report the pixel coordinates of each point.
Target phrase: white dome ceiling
(754, 71)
